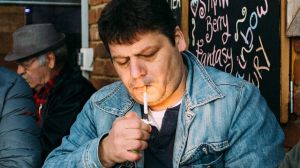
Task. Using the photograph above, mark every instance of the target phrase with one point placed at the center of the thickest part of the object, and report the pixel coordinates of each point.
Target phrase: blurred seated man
(292, 158)
(19, 133)
(60, 90)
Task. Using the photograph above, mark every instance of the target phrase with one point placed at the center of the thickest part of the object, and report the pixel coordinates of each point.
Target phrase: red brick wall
(11, 18)
(297, 77)
(104, 72)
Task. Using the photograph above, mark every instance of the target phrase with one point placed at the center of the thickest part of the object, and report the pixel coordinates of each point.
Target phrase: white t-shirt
(156, 117)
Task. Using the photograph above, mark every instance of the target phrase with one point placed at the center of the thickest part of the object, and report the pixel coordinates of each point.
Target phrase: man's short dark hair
(122, 20)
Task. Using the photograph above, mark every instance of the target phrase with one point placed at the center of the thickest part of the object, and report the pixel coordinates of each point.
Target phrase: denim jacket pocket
(205, 155)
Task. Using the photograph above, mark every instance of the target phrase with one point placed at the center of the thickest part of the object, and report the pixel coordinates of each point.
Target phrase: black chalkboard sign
(176, 8)
(240, 37)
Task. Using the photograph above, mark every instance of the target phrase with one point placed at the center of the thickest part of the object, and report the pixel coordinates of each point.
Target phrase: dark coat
(19, 133)
(65, 101)
(292, 158)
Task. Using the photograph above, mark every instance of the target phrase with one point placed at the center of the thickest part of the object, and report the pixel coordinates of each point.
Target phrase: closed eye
(149, 55)
(121, 61)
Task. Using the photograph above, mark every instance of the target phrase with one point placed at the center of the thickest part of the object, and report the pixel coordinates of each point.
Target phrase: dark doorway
(65, 15)
(66, 19)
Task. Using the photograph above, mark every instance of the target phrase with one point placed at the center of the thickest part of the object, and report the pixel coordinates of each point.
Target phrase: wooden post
(185, 20)
(285, 59)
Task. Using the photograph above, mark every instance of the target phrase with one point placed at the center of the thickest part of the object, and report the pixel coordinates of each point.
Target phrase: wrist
(103, 154)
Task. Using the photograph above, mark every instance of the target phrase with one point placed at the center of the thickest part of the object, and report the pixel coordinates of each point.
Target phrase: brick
(95, 2)
(6, 43)
(94, 15)
(10, 65)
(100, 51)
(11, 18)
(104, 67)
(297, 44)
(103, 73)
(94, 35)
(93, 45)
(106, 1)
(6, 24)
(297, 71)
(99, 82)
(297, 101)
(12, 9)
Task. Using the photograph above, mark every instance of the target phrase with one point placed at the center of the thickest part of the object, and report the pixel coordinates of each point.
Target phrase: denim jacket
(19, 133)
(223, 121)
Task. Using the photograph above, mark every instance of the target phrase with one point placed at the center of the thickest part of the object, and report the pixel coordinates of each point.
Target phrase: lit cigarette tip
(145, 100)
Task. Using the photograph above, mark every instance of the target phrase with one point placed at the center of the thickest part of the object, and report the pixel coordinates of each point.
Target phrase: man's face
(152, 61)
(35, 74)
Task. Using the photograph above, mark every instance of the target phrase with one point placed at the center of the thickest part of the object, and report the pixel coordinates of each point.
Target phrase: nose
(137, 68)
(20, 70)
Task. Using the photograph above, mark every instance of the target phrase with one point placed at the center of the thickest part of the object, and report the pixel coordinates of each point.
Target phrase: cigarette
(145, 120)
(145, 100)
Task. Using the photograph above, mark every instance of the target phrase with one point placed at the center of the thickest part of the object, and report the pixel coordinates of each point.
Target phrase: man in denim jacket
(220, 121)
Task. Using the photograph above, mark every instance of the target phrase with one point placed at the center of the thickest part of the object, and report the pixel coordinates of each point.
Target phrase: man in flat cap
(60, 90)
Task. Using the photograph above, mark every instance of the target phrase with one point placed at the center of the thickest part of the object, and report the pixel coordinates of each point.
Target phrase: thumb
(131, 114)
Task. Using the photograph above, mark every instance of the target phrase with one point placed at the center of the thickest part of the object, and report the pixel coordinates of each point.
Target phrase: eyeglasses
(26, 63)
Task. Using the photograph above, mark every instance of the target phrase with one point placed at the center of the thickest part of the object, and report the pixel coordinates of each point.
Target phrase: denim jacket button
(204, 149)
(209, 166)
(189, 116)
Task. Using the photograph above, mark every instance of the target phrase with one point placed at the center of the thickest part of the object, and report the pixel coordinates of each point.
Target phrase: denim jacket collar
(198, 78)
(193, 97)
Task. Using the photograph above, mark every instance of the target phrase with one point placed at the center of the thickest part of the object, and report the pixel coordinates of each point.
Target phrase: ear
(179, 39)
(50, 60)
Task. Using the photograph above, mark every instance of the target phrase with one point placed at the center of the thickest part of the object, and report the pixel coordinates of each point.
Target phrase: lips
(139, 85)
(139, 88)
